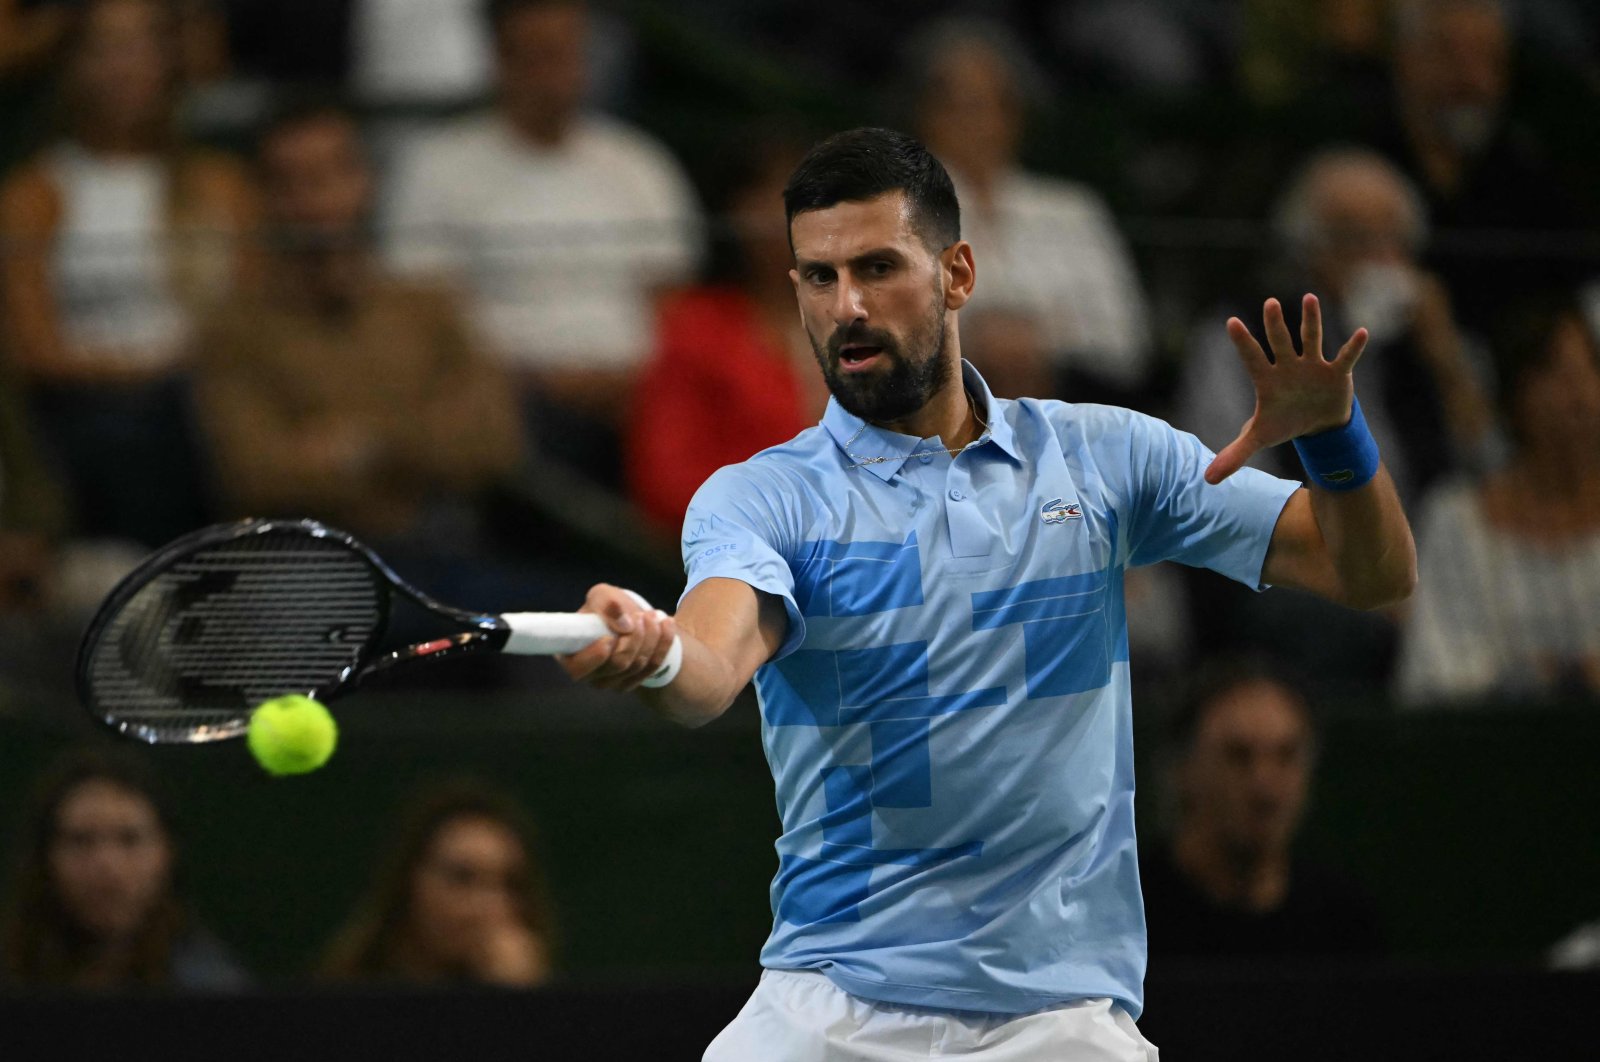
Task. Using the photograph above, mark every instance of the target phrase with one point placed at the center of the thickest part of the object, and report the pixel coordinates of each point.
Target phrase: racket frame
(484, 632)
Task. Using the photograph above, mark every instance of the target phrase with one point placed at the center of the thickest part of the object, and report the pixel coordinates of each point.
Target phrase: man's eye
(880, 268)
(819, 276)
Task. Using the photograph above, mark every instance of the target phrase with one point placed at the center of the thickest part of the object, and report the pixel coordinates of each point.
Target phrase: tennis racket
(187, 645)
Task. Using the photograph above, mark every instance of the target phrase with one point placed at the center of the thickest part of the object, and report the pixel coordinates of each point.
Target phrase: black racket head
(226, 617)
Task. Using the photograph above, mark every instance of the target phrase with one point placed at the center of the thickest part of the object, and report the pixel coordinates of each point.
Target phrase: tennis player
(927, 591)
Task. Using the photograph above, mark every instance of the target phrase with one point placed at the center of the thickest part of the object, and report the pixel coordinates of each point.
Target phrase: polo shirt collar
(1000, 430)
(858, 439)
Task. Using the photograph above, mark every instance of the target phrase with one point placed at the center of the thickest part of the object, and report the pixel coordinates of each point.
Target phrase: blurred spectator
(115, 236)
(460, 898)
(1452, 130)
(560, 224)
(1352, 228)
(32, 31)
(1509, 605)
(96, 905)
(1055, 268)
(733, 372)
(1227, 883)
(338, 392)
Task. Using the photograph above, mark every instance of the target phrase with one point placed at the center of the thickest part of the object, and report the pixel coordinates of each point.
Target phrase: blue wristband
(1340, 458)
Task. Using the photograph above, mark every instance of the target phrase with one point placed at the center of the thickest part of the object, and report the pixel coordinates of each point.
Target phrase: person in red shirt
(731, 360)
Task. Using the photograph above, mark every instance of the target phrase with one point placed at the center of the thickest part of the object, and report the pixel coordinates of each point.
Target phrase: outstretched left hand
(1297, 392)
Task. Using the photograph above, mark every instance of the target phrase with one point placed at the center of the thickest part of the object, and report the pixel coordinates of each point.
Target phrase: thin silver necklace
(952, 451)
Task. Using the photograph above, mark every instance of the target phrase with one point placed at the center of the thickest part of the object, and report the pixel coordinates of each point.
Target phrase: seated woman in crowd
(95, 904)
(1509, 603)
(115, 235)
(460, 899)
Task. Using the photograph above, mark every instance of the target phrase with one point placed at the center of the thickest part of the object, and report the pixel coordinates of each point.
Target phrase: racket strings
(230, 625)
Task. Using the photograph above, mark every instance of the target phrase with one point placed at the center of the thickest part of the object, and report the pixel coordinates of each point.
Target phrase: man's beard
(910, 382)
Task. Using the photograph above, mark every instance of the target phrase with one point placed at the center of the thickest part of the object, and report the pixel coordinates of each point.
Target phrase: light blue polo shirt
(948, 722)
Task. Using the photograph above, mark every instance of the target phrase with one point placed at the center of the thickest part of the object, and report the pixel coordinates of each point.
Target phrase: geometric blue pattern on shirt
(832, 888)
(858, 578)
(1063, 632)
(884, 687)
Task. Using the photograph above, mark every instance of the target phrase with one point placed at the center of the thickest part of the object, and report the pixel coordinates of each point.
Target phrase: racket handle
(558, 633)
(552, 633)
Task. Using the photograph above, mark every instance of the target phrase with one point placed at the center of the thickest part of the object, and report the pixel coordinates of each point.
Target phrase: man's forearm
(1368, 541)
(706, 685)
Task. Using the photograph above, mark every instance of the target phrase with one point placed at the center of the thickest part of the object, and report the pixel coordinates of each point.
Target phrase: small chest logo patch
(1059, 511)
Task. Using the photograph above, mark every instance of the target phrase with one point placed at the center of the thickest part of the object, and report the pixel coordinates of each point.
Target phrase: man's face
(971, 116)
(873, 299)
(1454, 70)
(1245, 779)
(125, 65)
(318, 185)
(543, 67)
(1557, 406)
(1362, 222)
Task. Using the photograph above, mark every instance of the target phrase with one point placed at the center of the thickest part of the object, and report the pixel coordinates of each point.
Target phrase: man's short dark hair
(863, 164)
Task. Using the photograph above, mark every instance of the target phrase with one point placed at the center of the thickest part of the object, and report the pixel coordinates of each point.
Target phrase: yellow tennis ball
(292, 735)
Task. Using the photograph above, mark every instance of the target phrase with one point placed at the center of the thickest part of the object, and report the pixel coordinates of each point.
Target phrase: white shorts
(801, 1016)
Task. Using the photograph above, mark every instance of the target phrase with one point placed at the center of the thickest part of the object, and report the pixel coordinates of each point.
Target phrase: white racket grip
(558, 633)
(552, 633)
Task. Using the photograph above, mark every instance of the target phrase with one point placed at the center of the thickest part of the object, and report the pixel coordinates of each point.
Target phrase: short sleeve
(1178, 516)
(736, 528)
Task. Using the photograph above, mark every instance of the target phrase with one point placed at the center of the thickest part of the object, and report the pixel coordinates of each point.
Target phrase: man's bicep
(1297, 556)
(743, 625)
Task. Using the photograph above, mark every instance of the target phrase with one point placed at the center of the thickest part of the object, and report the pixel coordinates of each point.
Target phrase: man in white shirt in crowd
(560, 225)
(1061, 294)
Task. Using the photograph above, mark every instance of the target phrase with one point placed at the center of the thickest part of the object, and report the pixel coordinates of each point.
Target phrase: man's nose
(848, 304)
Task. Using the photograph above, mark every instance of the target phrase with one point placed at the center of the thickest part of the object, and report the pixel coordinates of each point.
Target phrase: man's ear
(960, 274)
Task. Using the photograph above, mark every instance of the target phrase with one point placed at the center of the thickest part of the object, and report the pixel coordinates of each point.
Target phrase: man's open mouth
(856, 357)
